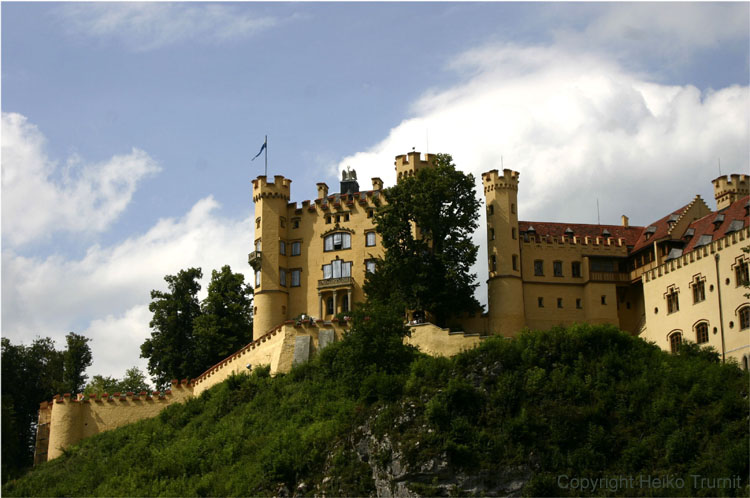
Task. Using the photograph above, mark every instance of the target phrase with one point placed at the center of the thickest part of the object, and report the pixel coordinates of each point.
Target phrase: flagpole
(266, 154)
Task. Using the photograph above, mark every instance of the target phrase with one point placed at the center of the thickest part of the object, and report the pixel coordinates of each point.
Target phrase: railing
(335, 282)
(609, 276)
(254, 259)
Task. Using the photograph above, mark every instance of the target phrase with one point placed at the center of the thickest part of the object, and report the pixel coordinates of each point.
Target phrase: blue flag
(262, 148)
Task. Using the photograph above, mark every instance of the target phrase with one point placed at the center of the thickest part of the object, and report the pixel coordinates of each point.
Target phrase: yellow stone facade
(680, 278)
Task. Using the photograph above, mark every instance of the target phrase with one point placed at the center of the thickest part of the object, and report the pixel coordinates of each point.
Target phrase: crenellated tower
(408, 165)
(268, 259)
(504, 286)
(729, 189)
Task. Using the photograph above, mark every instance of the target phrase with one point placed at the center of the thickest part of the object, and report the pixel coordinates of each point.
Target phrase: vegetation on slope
(587, 401)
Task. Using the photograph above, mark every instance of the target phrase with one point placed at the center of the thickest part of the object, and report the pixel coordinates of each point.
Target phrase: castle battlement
(280, 187)
(408, 164)
(492, 180)
(696, 254)
(728, 189)
(603, 242)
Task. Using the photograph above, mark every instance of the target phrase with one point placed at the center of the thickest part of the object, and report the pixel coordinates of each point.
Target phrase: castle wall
(72, 419)
(722, 303)
(437, 341)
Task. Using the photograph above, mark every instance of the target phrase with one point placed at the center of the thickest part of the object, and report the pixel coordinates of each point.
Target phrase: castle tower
(726, 191)
(271, 298)
(408, 165)
(504, 287)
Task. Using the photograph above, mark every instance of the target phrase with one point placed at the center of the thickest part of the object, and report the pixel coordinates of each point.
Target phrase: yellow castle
(682, 277)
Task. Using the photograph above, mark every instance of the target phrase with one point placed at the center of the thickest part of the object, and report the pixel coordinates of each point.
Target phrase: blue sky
(128, 128)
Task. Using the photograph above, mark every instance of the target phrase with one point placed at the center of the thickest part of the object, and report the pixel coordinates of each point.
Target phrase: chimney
(322, 190)
(377, 184)
(625, 221)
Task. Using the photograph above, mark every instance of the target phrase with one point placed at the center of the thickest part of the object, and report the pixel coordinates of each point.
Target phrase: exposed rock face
(395, 477)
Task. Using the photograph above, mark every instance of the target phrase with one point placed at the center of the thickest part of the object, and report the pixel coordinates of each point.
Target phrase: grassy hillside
(367, 416)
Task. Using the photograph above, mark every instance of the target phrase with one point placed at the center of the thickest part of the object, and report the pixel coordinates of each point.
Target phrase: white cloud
(105, 294)
(144, 26)
(85, 198)
(578, 127)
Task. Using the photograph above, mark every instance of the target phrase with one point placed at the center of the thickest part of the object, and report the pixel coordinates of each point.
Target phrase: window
(699, 290)
(578, 303)
(282, 248)
(540, 302)
(575, 269)
(745, 318)
(282, 222)
(492, 234)
(513, 233)
(701, 333)
(337, 241)
(257, 222)
(345, 303)
(490, 210)
(369, 213)
(282, 277)
(370, 239)
(370, 265)
(295, 278)
(329, 306)
(741, 273)
(337, 269)
(493, 263)
(257, 278)
(328, 220)
(515, 262)
(675, 339)
(604, 299)
(295, 223)
(296, 248)
(539, 268)
(673, 301)
(559, 302)
(346, 217)
(513, 208)
(557, 268)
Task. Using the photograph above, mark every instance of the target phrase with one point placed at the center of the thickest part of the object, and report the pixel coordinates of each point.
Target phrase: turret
(270, 265)
(408, 165)
(728, 190)
(504, 287)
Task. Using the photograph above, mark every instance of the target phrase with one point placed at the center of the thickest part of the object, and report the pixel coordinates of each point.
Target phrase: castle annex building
(679, 278)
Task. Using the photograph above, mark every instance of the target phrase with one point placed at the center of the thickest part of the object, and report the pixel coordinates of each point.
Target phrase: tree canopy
(189, 336)
(426, 228)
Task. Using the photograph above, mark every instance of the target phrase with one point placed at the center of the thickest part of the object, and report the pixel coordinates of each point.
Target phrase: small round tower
(504, 286)
(408, 164)
(271, 298)
(729, 189)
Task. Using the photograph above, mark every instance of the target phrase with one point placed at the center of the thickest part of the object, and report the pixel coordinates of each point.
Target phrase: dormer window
(569, 232)
(718, 221)
(649, 232)
(689, 233)
(704, 241)
(606, 234)
(735, 226)
(672, 220)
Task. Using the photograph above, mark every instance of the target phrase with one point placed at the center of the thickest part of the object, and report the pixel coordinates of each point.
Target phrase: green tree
(426, 230)
(100, 384)
(30, 374)
(133, 381)
(76, 359)
(171, 348)
(225, 323)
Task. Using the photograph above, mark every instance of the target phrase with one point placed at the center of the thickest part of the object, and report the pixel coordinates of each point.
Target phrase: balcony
(254, 259)
(330, 283)
(609, 276)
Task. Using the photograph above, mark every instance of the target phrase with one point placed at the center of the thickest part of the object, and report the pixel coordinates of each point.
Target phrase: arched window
(701, 332)
(675, 339)
(337, 241)
(744, 317)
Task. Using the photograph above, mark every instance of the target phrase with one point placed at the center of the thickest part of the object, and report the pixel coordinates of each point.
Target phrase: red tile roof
(628, 234)
(705, 225)
(662, 230)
